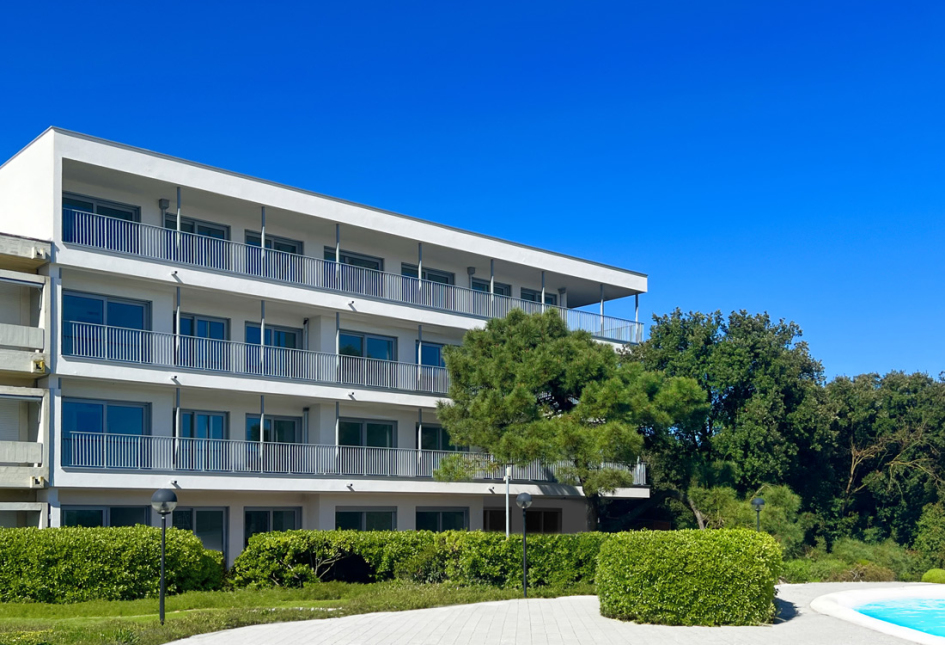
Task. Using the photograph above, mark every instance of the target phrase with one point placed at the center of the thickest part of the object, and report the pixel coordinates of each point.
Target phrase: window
(366, 519)
(431, 354)
(265, 520)
(535, 296)
(86, 339)
(493, 520)
(543, 520)
(275, 243)
(278, 429)
(207, 327)
(442, 519)
(208, 524)
(198, 227)
(431, 275)
(201, 345)
(276, 336)
(356, 259)
(436, 438)
(108, 433)
(100, 207)
(501, 289)
(91, 516)
(362, 432)
(196, 424)
(105, 417)
(352, 343)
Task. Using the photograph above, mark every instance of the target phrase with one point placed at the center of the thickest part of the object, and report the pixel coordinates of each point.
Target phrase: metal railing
(143, 240)
(122, 345)
(170, 454)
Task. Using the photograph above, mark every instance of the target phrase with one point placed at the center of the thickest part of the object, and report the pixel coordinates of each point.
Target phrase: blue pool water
(922, 614)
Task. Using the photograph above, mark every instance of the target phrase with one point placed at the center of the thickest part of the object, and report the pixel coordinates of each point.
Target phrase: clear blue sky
(780, 157)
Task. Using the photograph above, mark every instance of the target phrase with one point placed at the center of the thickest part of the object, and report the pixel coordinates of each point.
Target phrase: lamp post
(164, 501)
(524, 500)
(758, 504)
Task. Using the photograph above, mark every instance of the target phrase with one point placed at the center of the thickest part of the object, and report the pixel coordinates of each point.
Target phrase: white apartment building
(273, 354)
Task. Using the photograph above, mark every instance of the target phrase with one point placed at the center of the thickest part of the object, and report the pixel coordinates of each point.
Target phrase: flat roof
(339, 200)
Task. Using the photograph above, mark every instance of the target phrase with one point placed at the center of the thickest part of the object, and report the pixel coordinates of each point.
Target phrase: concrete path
(573, 620)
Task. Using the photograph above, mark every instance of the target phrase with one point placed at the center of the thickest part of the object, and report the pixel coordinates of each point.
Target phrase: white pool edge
(841, 605)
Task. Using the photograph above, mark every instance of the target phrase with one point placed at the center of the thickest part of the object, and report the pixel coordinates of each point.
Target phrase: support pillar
(602, 310)
(542, 292)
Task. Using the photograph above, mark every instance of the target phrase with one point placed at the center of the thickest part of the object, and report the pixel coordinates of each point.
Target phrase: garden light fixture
(164, 501)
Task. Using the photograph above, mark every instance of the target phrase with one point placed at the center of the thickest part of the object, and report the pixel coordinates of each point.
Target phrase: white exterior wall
(27, 190)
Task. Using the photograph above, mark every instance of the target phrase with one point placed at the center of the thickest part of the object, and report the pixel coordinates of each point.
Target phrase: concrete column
(636, 307)
(542, 292)
(337, 252)
(337, 423)
(177, 413)
(420, 260)
(602, 310)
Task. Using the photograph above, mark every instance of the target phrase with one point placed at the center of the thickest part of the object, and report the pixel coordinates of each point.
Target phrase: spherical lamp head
(758, 503)
(164, 501)
(524, 500)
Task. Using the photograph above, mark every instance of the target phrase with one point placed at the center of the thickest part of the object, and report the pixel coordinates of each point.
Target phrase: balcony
(155, 349)
(174, 247)
(220, 456)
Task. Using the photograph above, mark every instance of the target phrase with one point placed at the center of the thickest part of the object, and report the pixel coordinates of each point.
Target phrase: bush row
(690, 577)
(60, 565)
(294, 558)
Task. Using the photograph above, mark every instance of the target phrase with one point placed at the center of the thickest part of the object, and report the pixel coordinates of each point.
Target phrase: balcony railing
(121, 345)
(166, 245)
(222, 456)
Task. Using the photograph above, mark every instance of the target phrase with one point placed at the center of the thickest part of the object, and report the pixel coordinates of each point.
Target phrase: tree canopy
(526, 388)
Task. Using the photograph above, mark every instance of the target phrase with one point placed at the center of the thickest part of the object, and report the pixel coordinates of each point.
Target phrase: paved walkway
(573, 620)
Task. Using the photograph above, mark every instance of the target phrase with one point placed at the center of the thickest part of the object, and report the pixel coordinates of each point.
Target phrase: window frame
(418, 356)
(226, 324)
(440, 432)
(439, 510)
(299, 422)
(536, 294)
(172, 218)
(362, 510)
(449, 275)
(146, 406)
(183, 411)
(487, 526)
(364, 423)
(107, 203)
(106, 511)
(548, 511)
(193, 519)
(298, 331)
(297, 510)
(105, 298)
(330, 251)
(275, 238)
(365, 335)
(497, 284)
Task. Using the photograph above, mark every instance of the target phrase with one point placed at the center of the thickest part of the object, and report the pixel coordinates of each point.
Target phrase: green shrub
(689, 577)
(930, 535)
(26, 638)
(293, 558)
(934, 575)
(812, 570)
(77, 564)
(906, 565)
(864, 572)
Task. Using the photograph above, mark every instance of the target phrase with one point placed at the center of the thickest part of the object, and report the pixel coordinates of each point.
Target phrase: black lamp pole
(524, 553)
(164, 501)
(524, 500)
(758, 504)
(163, 583)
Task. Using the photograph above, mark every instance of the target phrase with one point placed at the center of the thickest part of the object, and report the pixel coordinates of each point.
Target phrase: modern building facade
(273, 354)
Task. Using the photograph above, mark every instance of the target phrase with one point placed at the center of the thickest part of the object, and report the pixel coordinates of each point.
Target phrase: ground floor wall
(241, 513)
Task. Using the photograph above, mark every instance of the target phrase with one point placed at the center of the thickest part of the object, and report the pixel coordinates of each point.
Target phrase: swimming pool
(922, 614)
(913, 612)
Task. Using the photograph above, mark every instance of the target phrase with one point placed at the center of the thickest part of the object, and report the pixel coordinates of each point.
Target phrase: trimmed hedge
(718, 577)
(293, 558)
(934, 575)
(60, 565)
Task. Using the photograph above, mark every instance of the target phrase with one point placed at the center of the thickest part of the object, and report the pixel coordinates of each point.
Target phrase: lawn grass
(135, 622)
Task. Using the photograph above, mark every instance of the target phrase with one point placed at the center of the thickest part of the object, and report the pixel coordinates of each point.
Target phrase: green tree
(768, 422)
(526, 388)
(890, 454)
